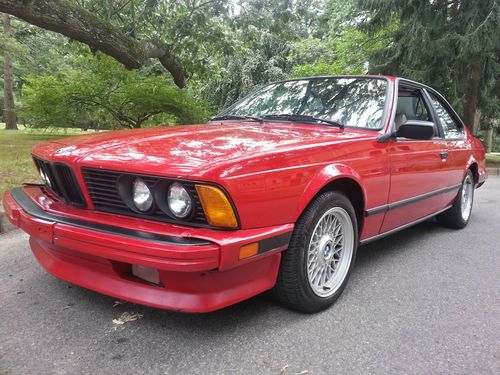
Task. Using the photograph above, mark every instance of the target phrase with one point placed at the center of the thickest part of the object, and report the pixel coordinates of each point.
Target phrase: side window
(411, 106)
(451, 128)
(421, 112)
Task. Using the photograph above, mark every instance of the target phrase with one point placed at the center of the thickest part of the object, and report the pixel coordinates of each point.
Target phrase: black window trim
(434, 115)
(450, 111)
(441, 98)
(422, 89)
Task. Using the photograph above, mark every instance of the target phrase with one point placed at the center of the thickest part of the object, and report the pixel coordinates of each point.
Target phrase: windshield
(355, 102)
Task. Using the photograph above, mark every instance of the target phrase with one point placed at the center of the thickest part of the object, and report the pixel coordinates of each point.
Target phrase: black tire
(292, 288)
(452, 217)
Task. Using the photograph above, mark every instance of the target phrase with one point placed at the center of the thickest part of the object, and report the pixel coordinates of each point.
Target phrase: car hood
(192, 150)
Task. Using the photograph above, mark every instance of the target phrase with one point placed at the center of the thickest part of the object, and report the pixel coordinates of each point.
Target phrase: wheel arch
(337, 177)
(474, 167)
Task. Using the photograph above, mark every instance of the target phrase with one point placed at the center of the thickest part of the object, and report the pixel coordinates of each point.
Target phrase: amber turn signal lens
(217, 208)
(249, 250)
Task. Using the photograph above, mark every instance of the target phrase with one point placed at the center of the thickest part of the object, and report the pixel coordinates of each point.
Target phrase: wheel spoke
(466, 197)
(325, 263)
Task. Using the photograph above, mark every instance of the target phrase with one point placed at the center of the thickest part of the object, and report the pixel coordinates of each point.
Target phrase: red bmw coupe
(275, 193)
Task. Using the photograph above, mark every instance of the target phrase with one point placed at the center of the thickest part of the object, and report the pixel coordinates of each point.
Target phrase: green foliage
(344, 48)
(450, 45)
(230, 48)
(263, 32)
(343, 53)
(245, 71)
(97, 92)
(194, 30)
(35, 51)
(45, 104)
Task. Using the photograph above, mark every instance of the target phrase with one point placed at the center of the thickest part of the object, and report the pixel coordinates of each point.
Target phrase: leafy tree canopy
(450, 45)
(97, 92)
(224, 49)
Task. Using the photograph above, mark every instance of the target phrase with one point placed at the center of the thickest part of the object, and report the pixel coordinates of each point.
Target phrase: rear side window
(451, 128)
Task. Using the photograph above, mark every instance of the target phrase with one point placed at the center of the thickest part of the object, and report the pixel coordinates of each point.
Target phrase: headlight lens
(143, 199)
(179, 200)
(45, 178)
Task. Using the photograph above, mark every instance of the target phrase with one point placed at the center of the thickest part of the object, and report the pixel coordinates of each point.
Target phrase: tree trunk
(477, 122)
(73, 21)
(489, 136)
(472, 78)
(8, 96)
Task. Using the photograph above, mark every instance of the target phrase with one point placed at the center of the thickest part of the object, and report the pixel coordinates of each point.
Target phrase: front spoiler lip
(195, 278)
(33, 210)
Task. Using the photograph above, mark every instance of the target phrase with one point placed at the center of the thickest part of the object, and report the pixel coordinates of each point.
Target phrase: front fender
(324, 177)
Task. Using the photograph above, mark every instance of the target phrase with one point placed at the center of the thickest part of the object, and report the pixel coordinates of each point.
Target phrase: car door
(418, 167)
(454, 136)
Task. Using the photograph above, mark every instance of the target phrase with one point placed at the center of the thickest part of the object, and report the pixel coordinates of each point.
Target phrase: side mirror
(416, 129)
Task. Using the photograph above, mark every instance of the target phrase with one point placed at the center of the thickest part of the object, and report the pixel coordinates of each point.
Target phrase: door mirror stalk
(386, 137)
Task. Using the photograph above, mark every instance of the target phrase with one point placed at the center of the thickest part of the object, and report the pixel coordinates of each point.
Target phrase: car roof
(378, 76)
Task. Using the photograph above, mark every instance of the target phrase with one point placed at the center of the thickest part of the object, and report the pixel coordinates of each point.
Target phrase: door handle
(443, 155)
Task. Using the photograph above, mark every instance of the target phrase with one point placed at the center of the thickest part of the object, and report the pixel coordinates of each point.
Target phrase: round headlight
(45, 178)
(179, 200)
(143, 199)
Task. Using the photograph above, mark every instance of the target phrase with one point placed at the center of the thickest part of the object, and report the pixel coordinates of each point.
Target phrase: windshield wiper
(286, 117)
(302, 118)
(236, 117)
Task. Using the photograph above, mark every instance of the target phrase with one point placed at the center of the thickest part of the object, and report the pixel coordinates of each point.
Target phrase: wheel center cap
(327, 250)
(326, 247)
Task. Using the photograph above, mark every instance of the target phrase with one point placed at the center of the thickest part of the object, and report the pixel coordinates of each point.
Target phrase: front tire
(316, 266)
(458, 215)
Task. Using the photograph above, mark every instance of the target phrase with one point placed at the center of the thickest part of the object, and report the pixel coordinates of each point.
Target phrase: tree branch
(77, 23)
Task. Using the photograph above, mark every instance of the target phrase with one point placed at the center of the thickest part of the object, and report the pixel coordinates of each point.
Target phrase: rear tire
(316, 266)
(458, 215)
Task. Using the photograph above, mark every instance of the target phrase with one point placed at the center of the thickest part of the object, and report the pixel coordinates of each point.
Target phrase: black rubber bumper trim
(275, 242)
(32, 209)
(404, 202)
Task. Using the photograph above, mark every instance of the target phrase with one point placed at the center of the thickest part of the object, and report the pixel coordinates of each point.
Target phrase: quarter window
(451, 128)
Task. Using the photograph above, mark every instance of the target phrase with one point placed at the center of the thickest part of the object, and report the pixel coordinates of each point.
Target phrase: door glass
(450, 127)
(411, 106)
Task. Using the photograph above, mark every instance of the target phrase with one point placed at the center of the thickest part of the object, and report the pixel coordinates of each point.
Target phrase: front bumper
(199, 268)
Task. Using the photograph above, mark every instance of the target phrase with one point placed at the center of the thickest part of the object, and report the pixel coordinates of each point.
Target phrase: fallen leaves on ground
(127, 317)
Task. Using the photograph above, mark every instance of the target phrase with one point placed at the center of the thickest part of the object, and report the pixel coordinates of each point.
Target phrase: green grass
(16, 165)
(493, 160)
